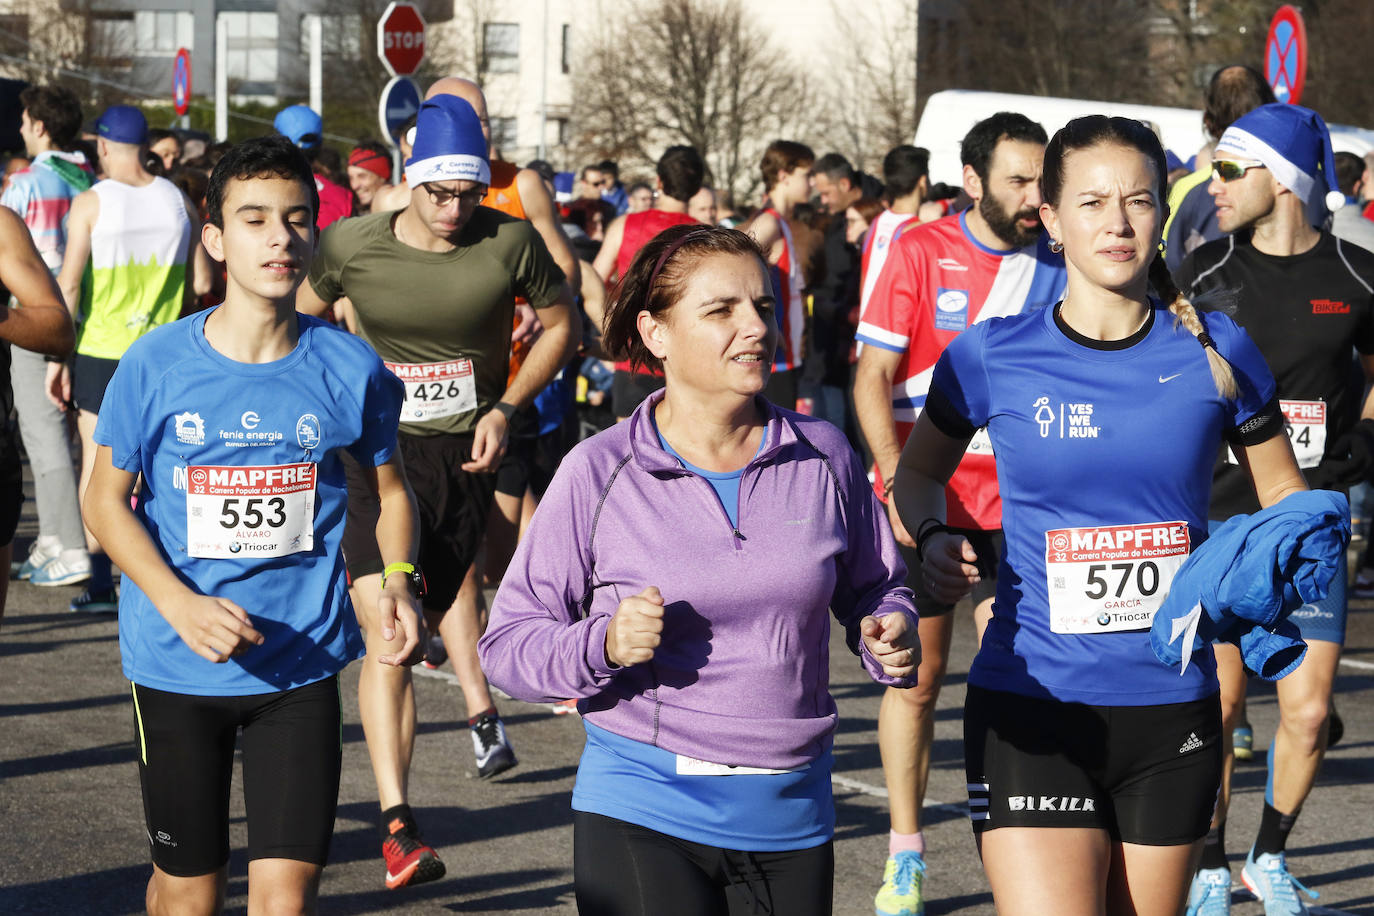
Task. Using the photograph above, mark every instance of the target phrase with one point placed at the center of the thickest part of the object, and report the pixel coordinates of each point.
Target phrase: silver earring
(1057, 246)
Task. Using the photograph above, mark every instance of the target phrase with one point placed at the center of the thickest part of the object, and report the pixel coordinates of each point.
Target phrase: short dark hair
(610, 167)
(640, 289)
(682, 171)
(58, 109)
(582, 175)
(158, 134)
(261, 157)
(981, 141)
(783, 156)
(1349, 171)
(1234, 90)
(836, 168)
(903, 168)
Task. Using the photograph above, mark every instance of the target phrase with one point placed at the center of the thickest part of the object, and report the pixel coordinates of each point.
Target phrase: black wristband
(506, 410)
(923, 534)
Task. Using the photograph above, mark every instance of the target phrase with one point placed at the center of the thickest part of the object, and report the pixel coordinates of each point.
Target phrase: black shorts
(531, 462)
(988, 545)
(90, 377)
(11, 480)
(623, 869)
(453, 506)
(629, 389)
(1145, 774)
(291, 757)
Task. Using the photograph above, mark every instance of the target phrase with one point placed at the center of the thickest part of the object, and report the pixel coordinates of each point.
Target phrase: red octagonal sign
(401, 38)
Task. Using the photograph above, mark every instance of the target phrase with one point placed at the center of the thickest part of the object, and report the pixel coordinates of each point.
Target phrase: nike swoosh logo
(1163, 379)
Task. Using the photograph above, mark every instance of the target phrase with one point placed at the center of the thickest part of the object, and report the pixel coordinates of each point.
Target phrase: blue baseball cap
(122, 124)
(301, 125)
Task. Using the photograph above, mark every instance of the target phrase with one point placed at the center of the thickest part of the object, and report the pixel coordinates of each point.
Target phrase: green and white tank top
(137, 280)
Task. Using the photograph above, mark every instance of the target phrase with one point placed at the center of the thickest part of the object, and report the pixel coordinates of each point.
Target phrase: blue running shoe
(1210, 894)
(1268, 878)
(900, 894)
(1243, 741)
(103, 601)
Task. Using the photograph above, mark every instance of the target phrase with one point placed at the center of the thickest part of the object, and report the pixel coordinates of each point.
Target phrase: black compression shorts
(1145, 774)
(11, 481)
(90, 377)
(453, 506)
(291, 759)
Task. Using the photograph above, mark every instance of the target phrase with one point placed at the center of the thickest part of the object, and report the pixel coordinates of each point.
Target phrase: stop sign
(401, 38)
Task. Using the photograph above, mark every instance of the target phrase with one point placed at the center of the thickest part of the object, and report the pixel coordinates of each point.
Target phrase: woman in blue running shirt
(1092, 768)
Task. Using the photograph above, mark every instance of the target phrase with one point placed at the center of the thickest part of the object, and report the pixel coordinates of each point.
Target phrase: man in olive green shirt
(433, 289)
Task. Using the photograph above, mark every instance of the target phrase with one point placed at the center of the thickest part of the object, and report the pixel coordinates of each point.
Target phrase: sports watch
(412, 573)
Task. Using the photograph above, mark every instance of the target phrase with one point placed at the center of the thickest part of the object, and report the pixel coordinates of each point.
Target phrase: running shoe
(1243, 741)
(1210, 894)
(900, 894)
(435, 653)
(1364, 584)
(70, 567)
(1268, 878)
(46, 547)
(105, 601)
(408, 859)
(489, 745)
(564, 708)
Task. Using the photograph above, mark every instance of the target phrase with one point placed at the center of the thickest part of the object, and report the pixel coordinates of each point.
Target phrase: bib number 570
(1145, 574)
(252, 514)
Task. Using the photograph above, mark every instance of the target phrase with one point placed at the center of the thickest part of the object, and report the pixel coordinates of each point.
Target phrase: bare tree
(873, 94)
(699, 72)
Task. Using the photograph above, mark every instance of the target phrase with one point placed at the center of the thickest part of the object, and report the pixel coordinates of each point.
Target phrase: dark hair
(194, 183)
(375, 146)
(610, 168)
(981, 141)
(58, 109)
(326, 161)
(783, 156)
(1233, 91)
(1349, 171)
(580, 212)
(261, 157)
(633, 293)
(158, 134)
(543, 168)
(582, 175)
(903, 168)
(836, 168)
(681, 170)
(1100, 130)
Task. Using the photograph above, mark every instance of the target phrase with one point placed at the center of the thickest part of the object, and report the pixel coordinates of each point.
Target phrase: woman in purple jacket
(676, 579)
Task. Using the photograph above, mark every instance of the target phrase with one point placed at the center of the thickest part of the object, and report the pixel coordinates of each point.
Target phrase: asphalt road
(73, 838)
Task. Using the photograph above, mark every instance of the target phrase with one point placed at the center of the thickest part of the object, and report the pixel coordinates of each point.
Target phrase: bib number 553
(252, 515)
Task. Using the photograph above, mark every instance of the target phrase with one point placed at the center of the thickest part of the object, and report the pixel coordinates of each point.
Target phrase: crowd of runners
(319, 407)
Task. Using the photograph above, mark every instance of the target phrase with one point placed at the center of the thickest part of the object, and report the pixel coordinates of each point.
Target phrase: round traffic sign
(181, 82)
(1285, 55)
(401, 38)
(400, 100)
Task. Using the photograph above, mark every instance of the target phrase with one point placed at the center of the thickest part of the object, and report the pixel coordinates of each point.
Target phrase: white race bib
(690, 766)
(435, 390)
(1112, 578)
(1305, 423)
(250, 511)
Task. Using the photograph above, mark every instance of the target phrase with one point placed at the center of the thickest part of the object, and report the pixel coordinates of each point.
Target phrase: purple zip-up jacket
(742, 674)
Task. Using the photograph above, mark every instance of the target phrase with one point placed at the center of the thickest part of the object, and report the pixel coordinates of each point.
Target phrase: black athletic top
(1305, 313)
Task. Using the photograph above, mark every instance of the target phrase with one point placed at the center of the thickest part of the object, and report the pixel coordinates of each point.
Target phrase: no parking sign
(181, 82)
(1285, 55)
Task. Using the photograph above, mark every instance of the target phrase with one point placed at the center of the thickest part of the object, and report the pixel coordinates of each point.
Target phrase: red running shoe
(408, 859)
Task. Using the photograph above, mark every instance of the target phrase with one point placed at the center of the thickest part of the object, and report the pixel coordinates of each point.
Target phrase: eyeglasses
(1228, 170)
(442, 197)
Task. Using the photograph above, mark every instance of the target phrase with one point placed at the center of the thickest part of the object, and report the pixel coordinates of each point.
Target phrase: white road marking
(858, 785)
(1365, 666)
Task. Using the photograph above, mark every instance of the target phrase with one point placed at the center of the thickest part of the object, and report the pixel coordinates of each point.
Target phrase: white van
(949, 115)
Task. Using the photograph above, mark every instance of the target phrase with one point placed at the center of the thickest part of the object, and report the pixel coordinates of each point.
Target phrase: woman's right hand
(635, 629)
(949, 566)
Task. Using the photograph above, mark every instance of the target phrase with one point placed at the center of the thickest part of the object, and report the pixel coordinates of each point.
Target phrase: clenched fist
(636, 629)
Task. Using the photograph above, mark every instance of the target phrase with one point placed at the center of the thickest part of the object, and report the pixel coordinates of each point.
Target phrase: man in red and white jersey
(906, 178)
(680, 173)
(939, 279)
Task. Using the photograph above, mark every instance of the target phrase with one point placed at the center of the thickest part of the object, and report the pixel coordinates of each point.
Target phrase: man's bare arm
(542, 213)
(41, 323)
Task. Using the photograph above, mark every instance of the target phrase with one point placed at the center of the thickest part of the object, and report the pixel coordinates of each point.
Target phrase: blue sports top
(1105, 453)
(244, 495)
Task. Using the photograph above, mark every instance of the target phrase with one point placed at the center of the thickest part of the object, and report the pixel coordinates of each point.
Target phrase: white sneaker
(46, 547)
(67, 568)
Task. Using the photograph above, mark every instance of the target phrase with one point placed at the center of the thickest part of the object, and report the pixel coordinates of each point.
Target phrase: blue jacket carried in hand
(1244, 581)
